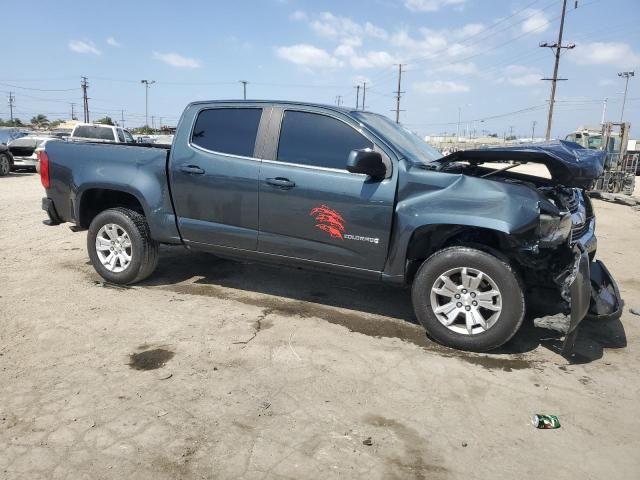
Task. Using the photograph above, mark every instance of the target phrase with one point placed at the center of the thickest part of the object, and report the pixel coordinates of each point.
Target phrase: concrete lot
(276, 373)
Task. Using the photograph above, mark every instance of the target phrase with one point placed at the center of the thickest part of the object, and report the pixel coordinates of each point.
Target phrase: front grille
(578, 231)
(581, 221)
(574, 202)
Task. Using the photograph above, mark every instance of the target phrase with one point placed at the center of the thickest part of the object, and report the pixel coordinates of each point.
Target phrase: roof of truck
(278, 102)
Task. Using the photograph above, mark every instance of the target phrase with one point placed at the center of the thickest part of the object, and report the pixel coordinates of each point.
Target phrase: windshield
(407, 143)
(7, 135)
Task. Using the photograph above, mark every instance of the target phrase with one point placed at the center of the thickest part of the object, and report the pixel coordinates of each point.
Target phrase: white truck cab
(101, 133)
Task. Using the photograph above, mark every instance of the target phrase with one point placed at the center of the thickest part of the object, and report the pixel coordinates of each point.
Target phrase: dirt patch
(370, 325)
(150, 359)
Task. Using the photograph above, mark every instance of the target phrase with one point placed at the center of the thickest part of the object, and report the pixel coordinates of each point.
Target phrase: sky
(476, 61)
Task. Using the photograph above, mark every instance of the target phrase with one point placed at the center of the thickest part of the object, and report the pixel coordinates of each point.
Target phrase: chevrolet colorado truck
(348, 192)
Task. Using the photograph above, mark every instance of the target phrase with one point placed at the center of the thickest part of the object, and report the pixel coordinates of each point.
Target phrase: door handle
(192, 169)
(281, 182)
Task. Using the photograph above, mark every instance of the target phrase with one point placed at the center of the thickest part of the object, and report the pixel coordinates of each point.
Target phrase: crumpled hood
(569, 163)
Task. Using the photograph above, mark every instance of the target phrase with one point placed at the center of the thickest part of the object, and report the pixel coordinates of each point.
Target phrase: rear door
(311, 207)
(214, 176)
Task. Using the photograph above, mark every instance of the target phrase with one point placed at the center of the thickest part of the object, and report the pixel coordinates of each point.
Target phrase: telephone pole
(533, 130)
(73, 110)
(338, 100)
(399, 93)
(626, 76)
(364, 94)
(554, 80)
(12, 100)
(85, 100)
(244, 88)
(604, 110)
(122, 118)
(357, 87)
(146, 99)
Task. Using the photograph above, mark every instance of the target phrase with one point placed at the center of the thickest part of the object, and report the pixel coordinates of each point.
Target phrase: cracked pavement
(216, 369)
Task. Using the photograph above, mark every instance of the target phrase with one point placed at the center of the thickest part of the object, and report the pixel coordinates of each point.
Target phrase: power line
(40, 89)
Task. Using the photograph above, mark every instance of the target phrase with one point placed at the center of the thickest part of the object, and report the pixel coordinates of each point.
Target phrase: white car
(101, 133)
(24, 151)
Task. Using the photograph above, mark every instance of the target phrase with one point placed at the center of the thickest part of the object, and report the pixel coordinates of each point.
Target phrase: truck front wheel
(468, 299)
(120, 246)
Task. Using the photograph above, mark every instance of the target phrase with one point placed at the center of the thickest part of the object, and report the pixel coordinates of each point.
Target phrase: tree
(9, 123)
(55, 123)
(40, 121)
(146, 130)
(105, 121)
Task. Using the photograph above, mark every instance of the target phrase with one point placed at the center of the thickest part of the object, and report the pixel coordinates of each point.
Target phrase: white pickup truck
(101, 133)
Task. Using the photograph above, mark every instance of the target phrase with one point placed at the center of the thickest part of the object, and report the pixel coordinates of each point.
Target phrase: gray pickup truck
(349, 192)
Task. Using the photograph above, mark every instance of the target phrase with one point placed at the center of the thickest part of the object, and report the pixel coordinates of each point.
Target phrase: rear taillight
(44, 168)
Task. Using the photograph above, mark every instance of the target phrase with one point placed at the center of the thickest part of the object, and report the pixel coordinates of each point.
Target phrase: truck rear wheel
(468, 299)
(120, 246)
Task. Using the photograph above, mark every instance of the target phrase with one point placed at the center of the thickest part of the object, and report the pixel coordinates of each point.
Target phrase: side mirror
(366, 161)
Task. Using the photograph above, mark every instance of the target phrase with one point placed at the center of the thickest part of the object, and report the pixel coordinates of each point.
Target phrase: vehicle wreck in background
(353, 193)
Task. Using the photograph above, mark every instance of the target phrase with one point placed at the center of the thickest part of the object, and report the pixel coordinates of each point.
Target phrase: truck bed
(84, 168)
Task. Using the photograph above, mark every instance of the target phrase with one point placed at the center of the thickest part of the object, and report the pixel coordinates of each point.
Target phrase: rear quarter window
(94, 131)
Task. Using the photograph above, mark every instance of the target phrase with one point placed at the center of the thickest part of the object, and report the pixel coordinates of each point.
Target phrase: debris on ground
(545, 422)
(464, 444)
(367, 441)
(616, 198)
(635, 311)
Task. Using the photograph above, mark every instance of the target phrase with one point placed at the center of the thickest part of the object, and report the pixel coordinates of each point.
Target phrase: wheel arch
(94, 200)
(428, 239)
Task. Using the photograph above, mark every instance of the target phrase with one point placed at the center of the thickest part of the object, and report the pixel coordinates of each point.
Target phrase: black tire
(513, 304)
(5, 165)
(144, 251)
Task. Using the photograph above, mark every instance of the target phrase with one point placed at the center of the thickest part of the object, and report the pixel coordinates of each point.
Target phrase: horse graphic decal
(328, 220)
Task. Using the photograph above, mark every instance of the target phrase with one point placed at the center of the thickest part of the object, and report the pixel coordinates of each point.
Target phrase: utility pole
(244, 88)
(604, 110)
(364, 94)
(511, 132)
(399, 93)
(85, 100)
(146, 99)
(153, 122)
(73, 110)
(338, 100)
(533, 130)
(626, 76)
(122, 118)
(12, 100)
(554, 80)
(357, 87)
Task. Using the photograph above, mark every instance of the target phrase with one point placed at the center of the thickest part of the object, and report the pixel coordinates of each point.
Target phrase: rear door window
(227, 130)
(318, 140)
(94, 131)
(121, 136)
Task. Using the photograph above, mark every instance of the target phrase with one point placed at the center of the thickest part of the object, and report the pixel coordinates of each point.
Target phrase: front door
(311, 207)
(214, 178)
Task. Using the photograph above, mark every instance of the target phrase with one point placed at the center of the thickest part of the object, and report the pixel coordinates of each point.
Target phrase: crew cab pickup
(348, 192)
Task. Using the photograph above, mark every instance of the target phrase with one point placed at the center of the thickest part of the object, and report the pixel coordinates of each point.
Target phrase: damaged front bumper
(592, 293)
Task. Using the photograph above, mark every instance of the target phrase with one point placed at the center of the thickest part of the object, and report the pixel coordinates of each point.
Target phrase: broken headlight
(554, 229)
